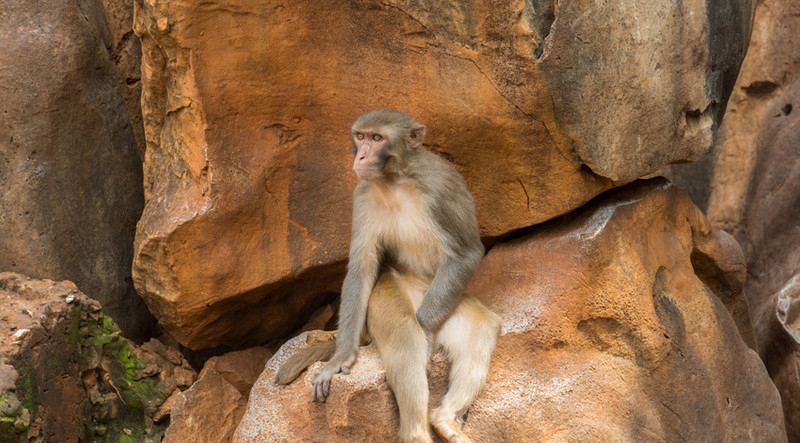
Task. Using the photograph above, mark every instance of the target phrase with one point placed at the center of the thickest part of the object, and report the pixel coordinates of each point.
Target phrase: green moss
(25, 391)
(137, 396)
(123, 392)
(13, 427)
(74, 329)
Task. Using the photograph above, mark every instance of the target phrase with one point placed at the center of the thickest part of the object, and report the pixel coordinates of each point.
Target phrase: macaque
(413, 249)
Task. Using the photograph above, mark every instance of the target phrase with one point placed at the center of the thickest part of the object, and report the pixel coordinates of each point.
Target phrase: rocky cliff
(631, 313)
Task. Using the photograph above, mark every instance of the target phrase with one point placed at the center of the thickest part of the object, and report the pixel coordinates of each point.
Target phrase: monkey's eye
(377, 137)
(360, 136)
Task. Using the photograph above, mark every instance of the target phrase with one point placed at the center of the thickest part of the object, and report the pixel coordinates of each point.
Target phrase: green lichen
(74, 329)
(135, 397)
(25, 391)
(14, 419)
(123, 385)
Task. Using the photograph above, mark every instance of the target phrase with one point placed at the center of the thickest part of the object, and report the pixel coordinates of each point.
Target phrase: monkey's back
(447, 195)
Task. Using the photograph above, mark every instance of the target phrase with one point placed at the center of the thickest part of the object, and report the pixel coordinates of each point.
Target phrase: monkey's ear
(415, 135)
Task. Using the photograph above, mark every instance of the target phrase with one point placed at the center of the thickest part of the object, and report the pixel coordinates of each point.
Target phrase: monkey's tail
(303, 358)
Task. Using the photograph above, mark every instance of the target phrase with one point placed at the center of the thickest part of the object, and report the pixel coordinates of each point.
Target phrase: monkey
(414, 247)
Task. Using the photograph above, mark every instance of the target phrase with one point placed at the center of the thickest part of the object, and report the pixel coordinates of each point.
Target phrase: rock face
(611, 333)
(126, 53)
(66, 374)
(750, 186)
(210, 410)
(247, 106)
(71, 177)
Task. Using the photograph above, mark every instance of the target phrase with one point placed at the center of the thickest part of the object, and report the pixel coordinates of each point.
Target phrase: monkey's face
(371, 149)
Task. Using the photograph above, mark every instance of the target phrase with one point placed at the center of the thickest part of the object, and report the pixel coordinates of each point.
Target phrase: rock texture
(66, 374)
(71, 177)
(750, 186)
(247, 105)
(612, 332)
(126, 53)
(210, 410)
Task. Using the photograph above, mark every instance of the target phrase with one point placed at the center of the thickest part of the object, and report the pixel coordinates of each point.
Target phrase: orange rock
(210, 410)
(609, 334)
(207, 412)
(240, 368)
(247, 106)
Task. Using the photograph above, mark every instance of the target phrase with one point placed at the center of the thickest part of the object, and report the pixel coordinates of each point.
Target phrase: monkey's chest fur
(405, 230)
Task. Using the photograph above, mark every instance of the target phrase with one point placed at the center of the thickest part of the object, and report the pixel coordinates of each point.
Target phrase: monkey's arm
(447, 287)
(362, 271)
(454, 214)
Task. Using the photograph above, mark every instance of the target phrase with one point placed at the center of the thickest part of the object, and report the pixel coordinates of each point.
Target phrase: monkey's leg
(468, 337)
(392, 323)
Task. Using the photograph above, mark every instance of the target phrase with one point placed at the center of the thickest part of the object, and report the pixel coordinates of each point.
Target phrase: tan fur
(301, 359)
(401, 223)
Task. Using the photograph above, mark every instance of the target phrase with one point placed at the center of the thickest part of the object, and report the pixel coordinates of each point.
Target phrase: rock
(750, 187)
(9, 405)
(8, 377)
(247, 176)
(239, 368)
(73, 375)
(782, 357)
(771, 242)
(208, 412)
(719, 263)
(126, 52)
(166, 408)
(71, 193)
(610, 333)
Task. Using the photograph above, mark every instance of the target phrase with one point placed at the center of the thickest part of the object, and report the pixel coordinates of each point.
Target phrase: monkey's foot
(449, 431)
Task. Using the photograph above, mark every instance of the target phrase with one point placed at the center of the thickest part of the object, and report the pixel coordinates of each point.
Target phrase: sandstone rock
(8, 377)
(771, 243)
(609, 334)
(239, 368)
(782, 357)
(750, 186)
(208, 412)
(247, 105)
(166, 408)
(75, 378)
(71, 192)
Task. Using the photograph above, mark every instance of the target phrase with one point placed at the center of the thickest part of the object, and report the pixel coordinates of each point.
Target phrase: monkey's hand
(321, 383)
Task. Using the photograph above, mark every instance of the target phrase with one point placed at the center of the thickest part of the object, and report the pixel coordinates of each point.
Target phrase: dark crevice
(760, 89)
(541, 21)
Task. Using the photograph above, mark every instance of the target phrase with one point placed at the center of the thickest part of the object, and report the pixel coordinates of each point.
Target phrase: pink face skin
(370, 145)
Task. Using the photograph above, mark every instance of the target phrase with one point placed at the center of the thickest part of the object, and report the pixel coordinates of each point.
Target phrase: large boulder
(71, 177)
(750, 186)
(247, 106)
(611, 332)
